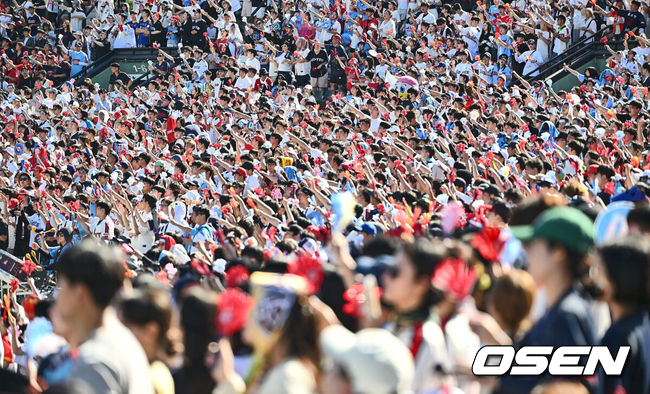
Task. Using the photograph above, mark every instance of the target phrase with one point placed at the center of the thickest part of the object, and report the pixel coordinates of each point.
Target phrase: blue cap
(634, 195)
(177, 158)
(367, 228)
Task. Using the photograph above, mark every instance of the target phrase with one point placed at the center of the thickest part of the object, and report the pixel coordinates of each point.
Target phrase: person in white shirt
(629, 62)
(252, 181)
(200, 65)
(328, 29)
(543, 41)
(472, 36)
(402, 8)
(284, 63)
(562, 36)
(201, 231)
(533, 59)
(243, 82)
(177, 211)
(124, 35)
(144, 224)
(428, 14)
(101, 225)
(482, 67)
(463, 67)
(302, 68)
(77, 18)
(251, 60)
(460, 16)
(387, 26)
(587, 25)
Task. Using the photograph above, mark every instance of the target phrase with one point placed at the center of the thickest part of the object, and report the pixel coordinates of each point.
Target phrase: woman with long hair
(197, 317)
(407, 290)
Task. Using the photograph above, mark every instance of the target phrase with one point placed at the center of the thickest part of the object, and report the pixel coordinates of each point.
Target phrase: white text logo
(535, 360)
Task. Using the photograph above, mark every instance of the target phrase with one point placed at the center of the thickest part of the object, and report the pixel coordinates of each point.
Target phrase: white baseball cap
(374, 359)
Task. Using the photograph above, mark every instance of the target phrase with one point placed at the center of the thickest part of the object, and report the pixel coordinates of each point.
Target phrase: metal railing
(116, 55)
(148, 77)
(576, 51)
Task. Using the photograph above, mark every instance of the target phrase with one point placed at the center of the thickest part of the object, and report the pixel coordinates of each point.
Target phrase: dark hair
(198, 311)
(201, 210)
(95, 265)
(66, 234)
(144, 306)
(529, 209)
(380, 245)
(640, 216)
(42, 308)
(301, 335)
(627, 262)
(150, 200)
(104, 205)
(502, 209)
(425, 255)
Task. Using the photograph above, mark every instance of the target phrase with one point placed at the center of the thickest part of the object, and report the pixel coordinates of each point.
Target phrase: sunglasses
(24, 179)
(393, 271)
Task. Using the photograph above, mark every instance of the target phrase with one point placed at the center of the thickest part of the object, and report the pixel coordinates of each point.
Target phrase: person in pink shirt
(307, 28)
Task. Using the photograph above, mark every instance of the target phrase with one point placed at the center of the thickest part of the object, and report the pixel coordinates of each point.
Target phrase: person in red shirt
(352, 72)
(12, 74)
(8, 354)
(369, 20)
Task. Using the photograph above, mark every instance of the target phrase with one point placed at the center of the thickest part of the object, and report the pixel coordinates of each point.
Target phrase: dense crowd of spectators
(320, 196)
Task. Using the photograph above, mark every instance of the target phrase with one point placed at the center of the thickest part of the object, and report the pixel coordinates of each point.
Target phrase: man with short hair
(108, 358)
(201, 231)
(117, 75)
(101, 226)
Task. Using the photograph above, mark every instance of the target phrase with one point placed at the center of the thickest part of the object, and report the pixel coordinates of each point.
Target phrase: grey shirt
(111, 360)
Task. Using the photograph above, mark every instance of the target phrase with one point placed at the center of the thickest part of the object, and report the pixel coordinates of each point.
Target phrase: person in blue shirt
(133, 23)
(63, 241)
(79, 59)
(557, 245)
(501, 68)
(621, 272)
(143, 29)
(172, 33)
(504, 42)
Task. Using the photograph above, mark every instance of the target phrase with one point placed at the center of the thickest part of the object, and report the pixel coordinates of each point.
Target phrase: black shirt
(159, 37)
(341, 53)
(34, 21)
(164, 67)
(316, 60)
(634, 20)
(4, 230)
(567, 323)
(632, 331)
(99, 51)
(184, 31)
(119, 77)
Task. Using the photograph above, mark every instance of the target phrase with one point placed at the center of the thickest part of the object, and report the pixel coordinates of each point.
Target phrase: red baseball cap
(592, 169)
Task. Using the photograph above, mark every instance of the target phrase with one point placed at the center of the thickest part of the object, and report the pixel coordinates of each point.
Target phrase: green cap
(564, 225)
